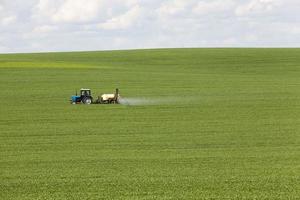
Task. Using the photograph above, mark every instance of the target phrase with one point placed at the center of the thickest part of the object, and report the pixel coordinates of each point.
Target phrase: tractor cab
(85, 92)
(85, 97)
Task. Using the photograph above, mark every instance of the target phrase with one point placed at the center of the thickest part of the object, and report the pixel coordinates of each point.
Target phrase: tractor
(85, 97)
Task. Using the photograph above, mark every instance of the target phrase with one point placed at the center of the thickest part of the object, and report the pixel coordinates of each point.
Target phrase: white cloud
(8, 20)
(45, 29)
(123, 21)
(78, 11)
(46, 7)
(213, 6)
(295, 29)
(257, 7)
(67, 11)
(173, 7)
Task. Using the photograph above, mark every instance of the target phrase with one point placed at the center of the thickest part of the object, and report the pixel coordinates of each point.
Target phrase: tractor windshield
(85, 93)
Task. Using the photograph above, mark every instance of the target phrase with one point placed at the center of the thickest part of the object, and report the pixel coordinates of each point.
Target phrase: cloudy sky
(76, 25)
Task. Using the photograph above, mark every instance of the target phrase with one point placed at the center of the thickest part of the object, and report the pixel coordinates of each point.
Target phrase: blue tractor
(85, 97)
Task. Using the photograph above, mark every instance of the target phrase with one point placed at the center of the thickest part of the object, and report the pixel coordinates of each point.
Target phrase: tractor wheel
(87, 100)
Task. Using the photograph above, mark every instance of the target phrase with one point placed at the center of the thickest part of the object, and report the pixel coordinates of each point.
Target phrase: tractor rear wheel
(87, 100)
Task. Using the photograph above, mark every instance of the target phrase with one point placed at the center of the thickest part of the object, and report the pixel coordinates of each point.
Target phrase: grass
(237, 139)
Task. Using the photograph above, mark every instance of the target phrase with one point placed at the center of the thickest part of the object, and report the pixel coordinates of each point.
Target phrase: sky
(88, 25)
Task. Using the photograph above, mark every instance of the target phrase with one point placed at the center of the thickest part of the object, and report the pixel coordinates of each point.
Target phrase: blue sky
(79, 25)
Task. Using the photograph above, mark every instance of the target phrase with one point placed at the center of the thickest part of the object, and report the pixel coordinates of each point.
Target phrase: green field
(232, 131)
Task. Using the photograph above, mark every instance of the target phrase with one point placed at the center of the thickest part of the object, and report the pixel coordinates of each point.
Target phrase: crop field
(209, 124)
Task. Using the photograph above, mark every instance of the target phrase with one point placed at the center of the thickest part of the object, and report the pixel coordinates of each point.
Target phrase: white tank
(106, 97)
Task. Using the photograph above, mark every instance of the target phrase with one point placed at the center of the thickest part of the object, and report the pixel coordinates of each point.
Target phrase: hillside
(225, 124)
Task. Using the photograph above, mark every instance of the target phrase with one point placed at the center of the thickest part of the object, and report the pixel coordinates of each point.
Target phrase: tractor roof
(84, 89)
